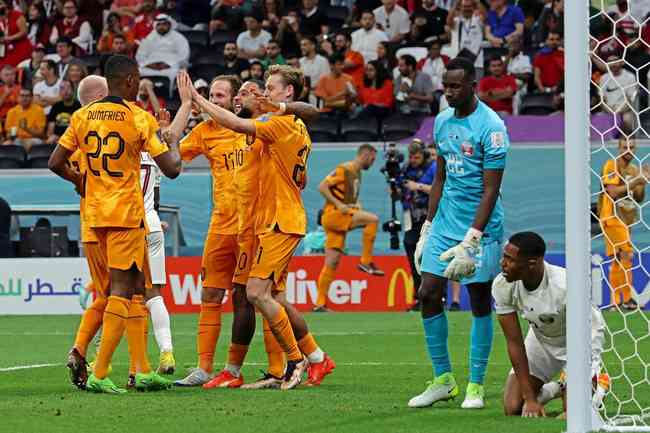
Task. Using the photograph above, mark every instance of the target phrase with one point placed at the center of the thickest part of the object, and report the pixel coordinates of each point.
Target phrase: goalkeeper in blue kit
(461, 239)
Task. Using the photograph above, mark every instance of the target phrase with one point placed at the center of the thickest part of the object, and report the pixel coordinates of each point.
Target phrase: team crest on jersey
(498, 139)
(264, 118)
(467, 148)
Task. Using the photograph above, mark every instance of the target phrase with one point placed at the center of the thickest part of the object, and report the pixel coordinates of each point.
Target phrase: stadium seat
(537, 104)
(12, 156)
(206, 71)
(336, 16)
(92, 62)
(359, 130)
(220, 38)
(38, 162)
(399, 126)
(196, 37)
(324, 129)
(206, 56)
(416, 51)
(40, 151)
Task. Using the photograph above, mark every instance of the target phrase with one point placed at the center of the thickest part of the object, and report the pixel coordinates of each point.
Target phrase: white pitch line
(193, 334)
(27, 367)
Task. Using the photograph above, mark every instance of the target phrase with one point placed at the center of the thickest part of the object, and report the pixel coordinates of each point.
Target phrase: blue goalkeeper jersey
(469, 146)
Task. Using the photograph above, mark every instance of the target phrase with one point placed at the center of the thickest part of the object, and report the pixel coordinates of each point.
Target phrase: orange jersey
(283, 173)
(218, 145)
(344, 183)
(86, 234)
(623, 211)
(111, 133)
(247, 182)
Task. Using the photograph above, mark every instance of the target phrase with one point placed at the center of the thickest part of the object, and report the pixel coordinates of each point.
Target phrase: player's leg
(155, 304)
(513, 400)
(619, 248)
(455, 296)
(369, 222)
(333, 252)
(410, 242)
(137, 329)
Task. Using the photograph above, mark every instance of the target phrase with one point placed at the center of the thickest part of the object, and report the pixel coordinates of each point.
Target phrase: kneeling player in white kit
(150, 182)
(536, 290)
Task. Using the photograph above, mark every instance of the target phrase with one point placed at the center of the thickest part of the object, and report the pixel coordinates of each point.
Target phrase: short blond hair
(290, 77)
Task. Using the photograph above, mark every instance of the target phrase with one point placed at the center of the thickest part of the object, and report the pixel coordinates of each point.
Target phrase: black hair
(380, 75)
(409, 60)
(463, 64)
(258, 83)
(530, 244)
(118, 66)
(336, 57)
(346, 35)
(51, 65)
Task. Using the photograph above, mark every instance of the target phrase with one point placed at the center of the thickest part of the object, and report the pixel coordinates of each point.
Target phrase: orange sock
(324, 280)
(208, 335)
(620, 280)
(115, 317)
(91, 321)
(367, 243)
(135, 335)
(307, 344)
(237, 354)
(282, 331)
(274, 352)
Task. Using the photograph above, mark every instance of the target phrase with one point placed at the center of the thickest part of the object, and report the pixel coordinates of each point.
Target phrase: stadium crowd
(368, 59)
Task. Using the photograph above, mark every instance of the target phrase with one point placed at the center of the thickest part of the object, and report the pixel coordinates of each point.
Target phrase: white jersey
(544, 308)
(149, 180)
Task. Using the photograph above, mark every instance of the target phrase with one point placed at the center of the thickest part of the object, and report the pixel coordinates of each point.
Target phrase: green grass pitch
(381, 358)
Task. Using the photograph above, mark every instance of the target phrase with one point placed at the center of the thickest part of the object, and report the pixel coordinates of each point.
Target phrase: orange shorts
(247, 243)
(336, 225)
(617, 239)
(219, 261)
(274, 251)
(96, 258)
(124, 247)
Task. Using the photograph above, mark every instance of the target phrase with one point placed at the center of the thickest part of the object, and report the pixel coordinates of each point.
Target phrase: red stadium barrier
(353, 290)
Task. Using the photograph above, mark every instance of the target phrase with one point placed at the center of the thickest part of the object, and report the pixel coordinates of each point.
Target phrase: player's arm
(169, 162)
(517, 352)
(58, 164)
(436, 189)
(324, 189)
(179, 123)
(307, 112)
(491, 187)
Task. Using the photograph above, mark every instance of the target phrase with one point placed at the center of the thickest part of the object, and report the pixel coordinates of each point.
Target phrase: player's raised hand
(532, 409)
(164, 118)
(185, 87)
(419, 247)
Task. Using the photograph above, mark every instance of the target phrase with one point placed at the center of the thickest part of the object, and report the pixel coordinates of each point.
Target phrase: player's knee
(333, 258)
(372, 218)
(152, 292)
(212, 295)
(480, 299)
(239, 299)
(430, 296)
(255, 293)
(511, 407)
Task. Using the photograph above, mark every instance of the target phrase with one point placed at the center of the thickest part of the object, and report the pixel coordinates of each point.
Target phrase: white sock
(316, 356)
(160, 321)
(549, 391)
(233, 369)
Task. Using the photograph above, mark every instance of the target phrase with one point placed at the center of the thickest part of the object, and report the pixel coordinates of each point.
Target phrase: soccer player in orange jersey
(111, 133)
(286, 146)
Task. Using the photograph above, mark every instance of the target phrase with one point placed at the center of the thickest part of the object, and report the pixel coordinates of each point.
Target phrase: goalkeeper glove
(462, 263)
(419, 247)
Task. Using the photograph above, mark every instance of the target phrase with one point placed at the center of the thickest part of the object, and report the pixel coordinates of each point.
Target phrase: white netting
(620, 59)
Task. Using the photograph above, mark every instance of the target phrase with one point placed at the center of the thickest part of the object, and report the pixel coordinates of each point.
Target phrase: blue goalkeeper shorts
(487, 258)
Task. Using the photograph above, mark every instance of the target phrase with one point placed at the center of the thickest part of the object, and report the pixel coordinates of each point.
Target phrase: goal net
(619, 62)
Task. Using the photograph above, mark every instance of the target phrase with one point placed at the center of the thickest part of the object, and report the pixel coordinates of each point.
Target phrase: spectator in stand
(59, 117)
(520, 67)
(47, 91)
(94, 11)
(273, 55)
(229, 15)
(386, 58)
(76, 72)
(38, 28)
(504, 23)
(273, 10)
(447, 5)
(64, 49)
(413, 89)
(147, 99)
(551, 19)
(435, 20)
(619, 90)
(30, 68)
(313, 21)
(9, 90)
(366, 39)
(434, 65)
(393, 20)
(627, 28)
(376, 97)
(193, 13)
(74, 27)
(113, 29)
(164, 52)
(127, 10)
(336, 90)
(313, 65)
(289, 34)
(549, 64)
(354, 61)
(257, 71)
(168, 7)
(498, 88)
(15, 46)
(251, 43)
(25, 124)
(233, 65)
(466, 26)
(144, 21)
(52, 9)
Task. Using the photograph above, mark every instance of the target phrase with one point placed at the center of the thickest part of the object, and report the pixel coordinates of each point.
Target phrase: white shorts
(156, 247)
(545, 362)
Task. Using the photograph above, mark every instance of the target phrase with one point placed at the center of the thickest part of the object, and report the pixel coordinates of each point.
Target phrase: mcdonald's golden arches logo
(407, 283)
